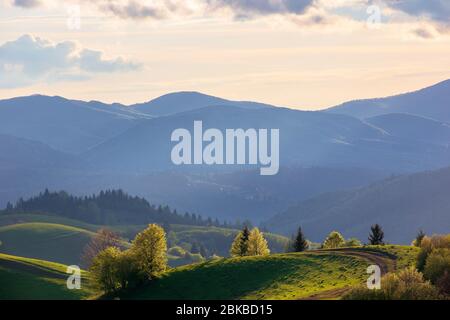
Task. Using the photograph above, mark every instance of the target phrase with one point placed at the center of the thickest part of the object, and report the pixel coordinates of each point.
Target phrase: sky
(305, 54)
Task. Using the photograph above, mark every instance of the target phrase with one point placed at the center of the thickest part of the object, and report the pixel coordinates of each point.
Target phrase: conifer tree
(239, 248)
(300, 243)
(257, 244)
(376, 235)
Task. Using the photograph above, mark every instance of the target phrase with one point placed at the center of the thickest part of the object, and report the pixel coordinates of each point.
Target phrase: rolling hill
(45, 241)
(319, 274)
(32, 279)
(401, 204)
(62, 240)
(65, 125)
(413, 128)
(313, 274)
(432, 102)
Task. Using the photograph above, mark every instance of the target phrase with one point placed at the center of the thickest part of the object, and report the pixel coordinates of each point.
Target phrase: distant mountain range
(432, 102)
(83, 147)
(187, 101)
(402, 205)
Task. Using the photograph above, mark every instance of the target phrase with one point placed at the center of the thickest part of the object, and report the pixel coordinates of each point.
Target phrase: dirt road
(386, 262)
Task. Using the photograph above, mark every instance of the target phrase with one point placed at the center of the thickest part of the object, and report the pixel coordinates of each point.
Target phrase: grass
(406, 256)
(281, 276)
(25, 279)
(45, 241)
(219, 240)
(216, 240)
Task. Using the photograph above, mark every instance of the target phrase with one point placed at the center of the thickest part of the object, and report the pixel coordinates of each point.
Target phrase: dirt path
(386, 262)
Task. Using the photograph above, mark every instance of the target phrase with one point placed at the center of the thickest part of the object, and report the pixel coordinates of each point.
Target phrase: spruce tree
(239, 248)
(376, 235)
(300, 243)
(419, 238)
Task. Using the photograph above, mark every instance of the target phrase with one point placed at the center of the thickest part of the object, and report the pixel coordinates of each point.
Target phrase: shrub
(177, 251)
(443, 283)
(128, 273)
(104, 270)
(428, 244)
(437, 267)
(408, 284)
(113, 270)
(353, 242)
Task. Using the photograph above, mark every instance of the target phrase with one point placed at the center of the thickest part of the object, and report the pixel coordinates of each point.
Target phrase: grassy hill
(25, 278)
(314, 274)
(32, 235)
(280, 276)
(218, 240)
(46, 241)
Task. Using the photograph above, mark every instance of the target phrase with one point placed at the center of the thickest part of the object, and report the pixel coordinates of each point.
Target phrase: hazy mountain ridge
(402, 205)
(118, 146)
(431, 102)
(187, 101)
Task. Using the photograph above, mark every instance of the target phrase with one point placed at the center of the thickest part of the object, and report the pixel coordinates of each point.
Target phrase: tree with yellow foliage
(257, 244)
(150, 250)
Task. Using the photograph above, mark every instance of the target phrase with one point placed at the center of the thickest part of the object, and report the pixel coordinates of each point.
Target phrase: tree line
(110, 207)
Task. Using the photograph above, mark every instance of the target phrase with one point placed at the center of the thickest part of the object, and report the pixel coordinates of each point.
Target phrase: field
(46, 241)
(312, 275)
(318, 274)
(25, 278)
(62, 240)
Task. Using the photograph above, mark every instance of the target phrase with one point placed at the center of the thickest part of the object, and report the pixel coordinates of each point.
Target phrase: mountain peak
(430, 102)
(183, 101)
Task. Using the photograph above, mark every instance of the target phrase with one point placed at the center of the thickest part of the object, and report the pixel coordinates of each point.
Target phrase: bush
(104, 270)
(443, 283)
(407, 284)
(334, 240)
(177, 251)
(353, 242)
(128, 273)
(437, 267)
(428, 244)
(113, 270)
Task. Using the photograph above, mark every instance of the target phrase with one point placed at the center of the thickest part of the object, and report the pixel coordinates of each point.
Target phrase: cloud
(29, 60)
(262, 7)
(305, 13)
(423, 33)
(27, 3)
(437, 10)
(163, 9)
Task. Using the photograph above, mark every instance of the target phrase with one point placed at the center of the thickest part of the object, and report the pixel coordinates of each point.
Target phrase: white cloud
(29, 60)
